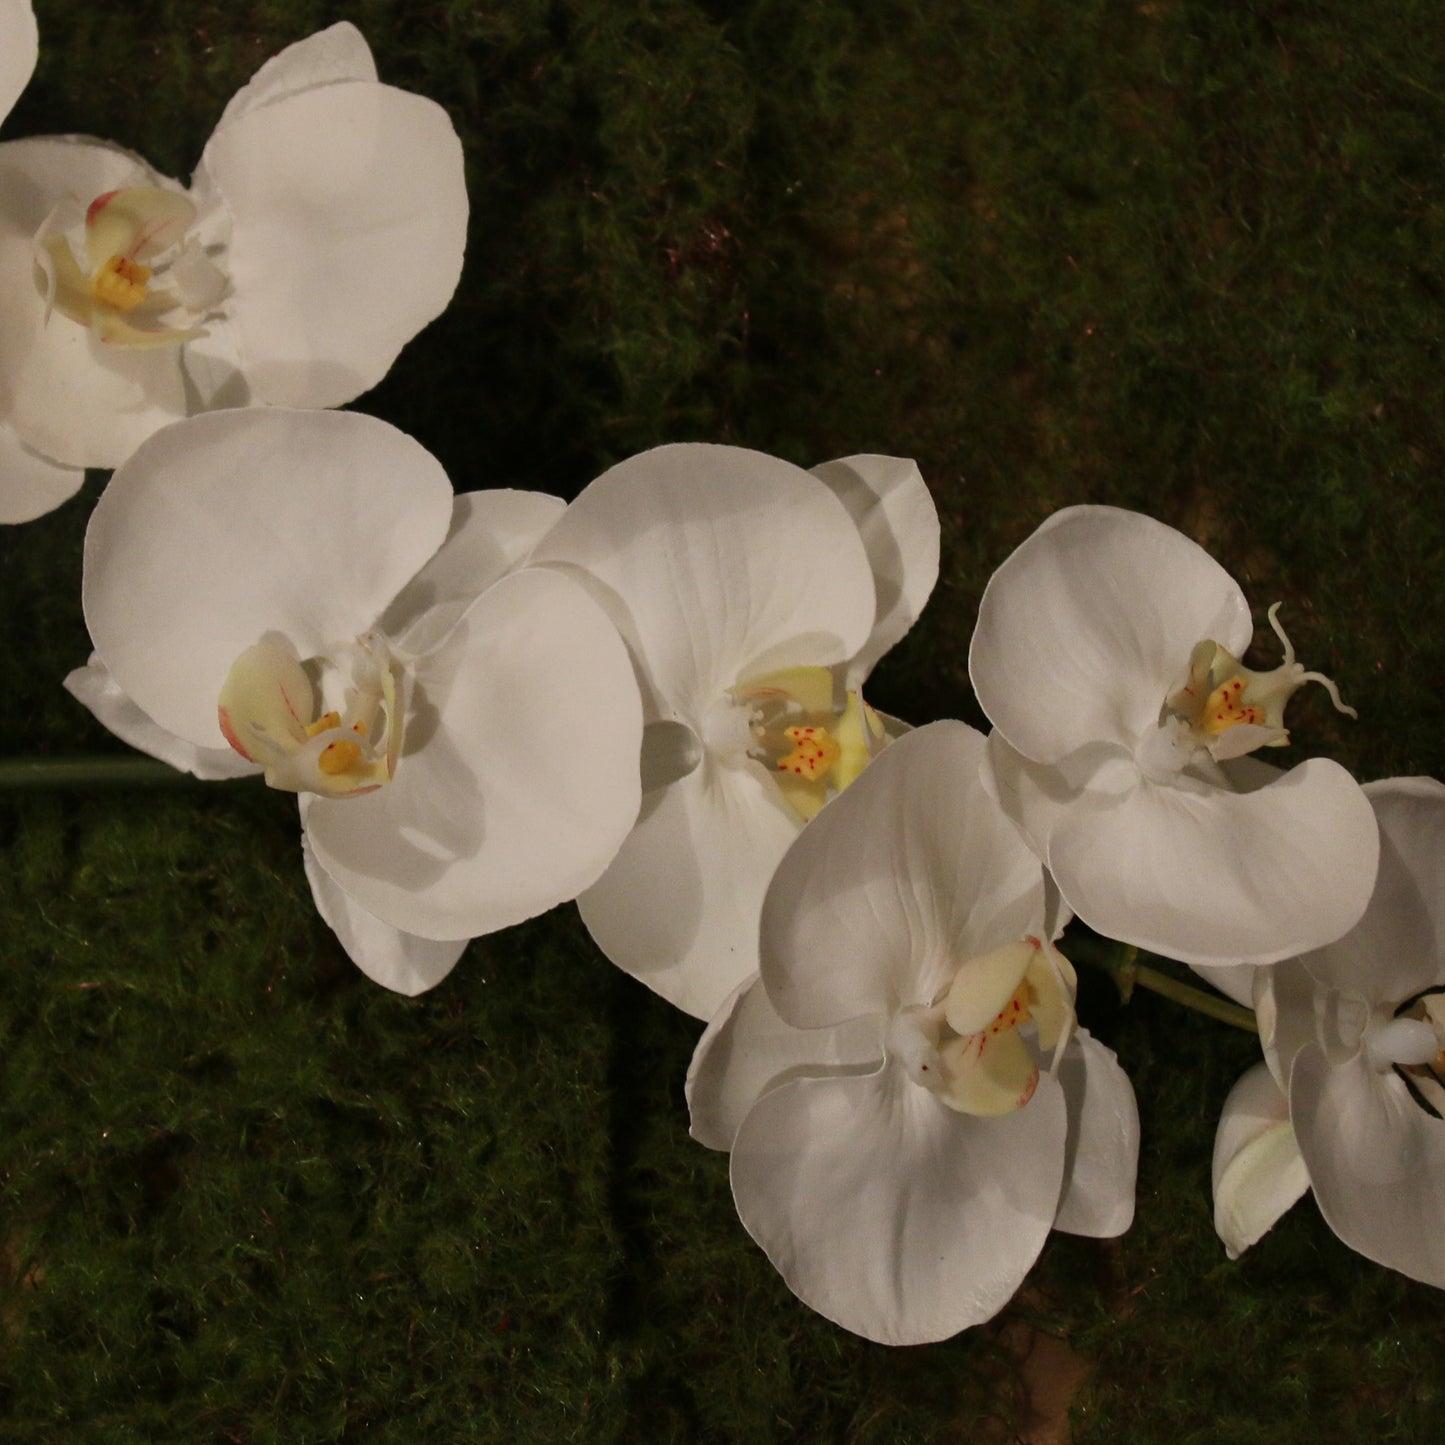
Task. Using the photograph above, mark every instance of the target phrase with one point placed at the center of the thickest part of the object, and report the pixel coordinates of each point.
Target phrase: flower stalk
(1121, 963)
(57, 775)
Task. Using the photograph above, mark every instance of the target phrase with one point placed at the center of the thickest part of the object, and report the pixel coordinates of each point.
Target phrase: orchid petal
(891, 1214)
(718, 564)
(337, 53)
(491, 533)
(371, 178)
(892, 508)
(519, 777)
(229, 526)
(1394, 951)
(93, 687)
(399, 961)
(69, 396)
(19, 46)
(1218, 877)
(1235, 982)
(678, 907)
(1086, 628)
(900, 879)
(1258, 1171)
(1102, 1154)
(747, 1050)
(1375, 1159)
(31, 485)
(1036, 797)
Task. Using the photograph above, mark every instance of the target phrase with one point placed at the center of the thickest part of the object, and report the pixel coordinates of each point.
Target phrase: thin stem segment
(1123, 966)
(85, 774)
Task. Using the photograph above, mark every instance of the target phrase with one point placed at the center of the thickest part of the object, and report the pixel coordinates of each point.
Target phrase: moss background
(1180, 255)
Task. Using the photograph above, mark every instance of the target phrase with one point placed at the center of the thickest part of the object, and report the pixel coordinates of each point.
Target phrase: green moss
(1182, 256)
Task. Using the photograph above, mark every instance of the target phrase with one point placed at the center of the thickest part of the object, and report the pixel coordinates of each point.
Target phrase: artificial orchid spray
(650, 701)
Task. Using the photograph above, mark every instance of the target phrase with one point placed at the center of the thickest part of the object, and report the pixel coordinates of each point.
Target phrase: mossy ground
(1183, 256)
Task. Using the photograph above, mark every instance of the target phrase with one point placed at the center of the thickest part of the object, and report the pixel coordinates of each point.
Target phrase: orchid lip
(142, 283)
(269, 713)
(813, 743)
(968, 1048)
(1227, 710)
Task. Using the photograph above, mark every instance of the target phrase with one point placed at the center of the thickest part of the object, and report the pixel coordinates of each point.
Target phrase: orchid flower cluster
(650, 700)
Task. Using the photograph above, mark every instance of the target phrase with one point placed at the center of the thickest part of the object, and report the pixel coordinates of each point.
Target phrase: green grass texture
(1183, 256)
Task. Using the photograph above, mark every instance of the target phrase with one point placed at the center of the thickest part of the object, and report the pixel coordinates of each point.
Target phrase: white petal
(893, 509)
(747, 1050)
(1235, 983)
(889, 1213)
(491, 533)
(678, 908)
(1213, 877)
(1033, 796)
(1258, 1171)
(1376, 1160)
(349, 215)
(336, 53)
(31, 485)
(68, 395)
(718, 564)
(1395, 951)
(1102, 1157)
(1284, 1008)
(909, 873)
(518, 779)
(231, 525)
(1083, 632)
(18, 48)
(399, 961)
(93, 687)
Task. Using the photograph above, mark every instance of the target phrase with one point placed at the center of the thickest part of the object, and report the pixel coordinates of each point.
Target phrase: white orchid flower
(755, 598)
(1355, 1031)
(323, 228)
(19, 46)
(908, 1103)
(1107, 658)
(302, 587)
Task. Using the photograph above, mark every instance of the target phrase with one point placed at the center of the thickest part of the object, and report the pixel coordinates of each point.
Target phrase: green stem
(34, 775)
(1195, 998)
(1128, 973)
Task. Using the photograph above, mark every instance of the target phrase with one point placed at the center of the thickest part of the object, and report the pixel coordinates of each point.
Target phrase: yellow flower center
(120, 283)
(815, 751)
(1220, 694)
(815, 745)
(967, 1048)
(264, 709)
(95, 265)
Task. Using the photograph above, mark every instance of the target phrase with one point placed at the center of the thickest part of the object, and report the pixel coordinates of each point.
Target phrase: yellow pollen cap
(339, 757)
(120, 283)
